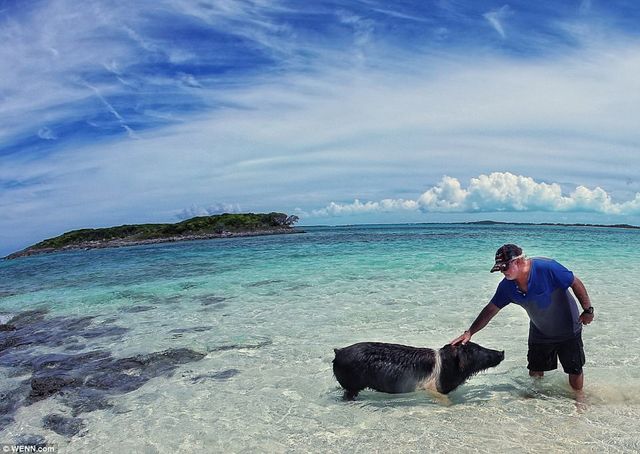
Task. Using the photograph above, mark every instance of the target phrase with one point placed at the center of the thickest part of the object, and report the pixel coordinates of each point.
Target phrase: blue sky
(341, 112)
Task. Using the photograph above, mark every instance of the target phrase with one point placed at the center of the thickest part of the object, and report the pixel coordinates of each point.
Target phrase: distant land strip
(613, 226)
(197, 228)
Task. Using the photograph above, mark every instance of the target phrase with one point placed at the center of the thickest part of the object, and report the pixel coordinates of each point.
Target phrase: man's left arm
(583, 298)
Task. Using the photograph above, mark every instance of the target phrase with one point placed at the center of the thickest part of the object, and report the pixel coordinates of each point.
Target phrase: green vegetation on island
(202, 227)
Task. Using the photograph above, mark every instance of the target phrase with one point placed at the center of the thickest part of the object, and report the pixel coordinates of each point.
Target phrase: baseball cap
(505, 254)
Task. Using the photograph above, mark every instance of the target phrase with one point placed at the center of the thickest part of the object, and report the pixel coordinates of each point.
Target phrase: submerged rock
(83, 381)
(178, 332)
(63, 425)
(248, 346)
(86, 400)
(31, 442)
(220, 375)
(28, 317)
(47, 385)
(212, 300)
(136, 309)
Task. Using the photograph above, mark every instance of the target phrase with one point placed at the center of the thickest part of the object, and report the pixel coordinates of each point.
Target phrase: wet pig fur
(393, 368)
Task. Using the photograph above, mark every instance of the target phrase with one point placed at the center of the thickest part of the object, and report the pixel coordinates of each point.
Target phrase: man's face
(511, 271)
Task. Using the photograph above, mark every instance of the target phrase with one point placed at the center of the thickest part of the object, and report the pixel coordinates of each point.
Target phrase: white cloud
(362, 28)
(496, 18)
(218, 208)
(46, 134)
(498, 191)
(357, 207)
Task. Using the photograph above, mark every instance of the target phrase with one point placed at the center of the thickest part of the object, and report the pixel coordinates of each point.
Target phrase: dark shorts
(543, 357)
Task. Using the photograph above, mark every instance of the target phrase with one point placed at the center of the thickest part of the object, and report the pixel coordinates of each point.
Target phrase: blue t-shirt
(552, 310)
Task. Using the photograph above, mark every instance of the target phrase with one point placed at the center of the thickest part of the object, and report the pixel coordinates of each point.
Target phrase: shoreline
(116, 243)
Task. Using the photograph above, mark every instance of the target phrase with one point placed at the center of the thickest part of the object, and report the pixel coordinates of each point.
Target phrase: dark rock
(126, 364)
(263, 283)
(45, 386)
(8, 341)
(103, 331)
(195, 329)
(82, 381)
(52, 361)
(75, 347)
(176, 299)
(225, 374)
(212, 300)
(86, 400)
(5, 421)
(136, 309)
(34, 329)
(221, 375)
(14, 359)
(189, 285)
(176, 355)
(78, 324)
(165, 362)
(7, 327)
(116, 383)
(31, 442)
(63, 425)
(28, 317)
(89, 361)
(10, 401)
(223, 348)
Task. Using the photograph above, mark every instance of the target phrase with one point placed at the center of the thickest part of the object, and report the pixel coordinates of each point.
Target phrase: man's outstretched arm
(489, 311)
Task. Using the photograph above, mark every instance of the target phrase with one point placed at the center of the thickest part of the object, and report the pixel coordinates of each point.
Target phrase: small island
(197, 228)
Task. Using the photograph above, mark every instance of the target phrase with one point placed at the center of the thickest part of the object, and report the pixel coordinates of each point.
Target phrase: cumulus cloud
(218, 208)
(357, 207)
(496, 192)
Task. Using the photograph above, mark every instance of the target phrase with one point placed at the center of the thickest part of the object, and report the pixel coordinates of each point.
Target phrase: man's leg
(541, 357)
(576, 381)
(571, 354)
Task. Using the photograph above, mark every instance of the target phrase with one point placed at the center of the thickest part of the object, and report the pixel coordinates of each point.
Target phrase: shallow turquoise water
(273, 308)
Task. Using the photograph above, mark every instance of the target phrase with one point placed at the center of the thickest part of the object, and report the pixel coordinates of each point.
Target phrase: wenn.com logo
(6, 448)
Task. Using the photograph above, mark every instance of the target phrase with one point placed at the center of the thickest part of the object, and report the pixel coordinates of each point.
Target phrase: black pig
(393, 368)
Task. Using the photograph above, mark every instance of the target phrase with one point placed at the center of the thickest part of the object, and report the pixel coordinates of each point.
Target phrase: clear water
(280, 304)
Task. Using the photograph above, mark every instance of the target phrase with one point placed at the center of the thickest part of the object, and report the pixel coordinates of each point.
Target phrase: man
(541, 287)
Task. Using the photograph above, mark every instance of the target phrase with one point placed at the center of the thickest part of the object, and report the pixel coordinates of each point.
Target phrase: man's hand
(586, 318)
(463, 339)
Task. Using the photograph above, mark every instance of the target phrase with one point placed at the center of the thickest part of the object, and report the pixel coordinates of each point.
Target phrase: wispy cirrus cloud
(497, 18)
(46, 134)
(496, 192)
(278, 104)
